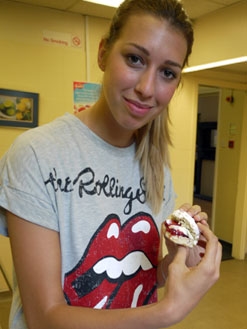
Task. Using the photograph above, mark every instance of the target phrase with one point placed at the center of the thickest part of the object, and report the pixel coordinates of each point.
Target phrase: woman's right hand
(185, 286)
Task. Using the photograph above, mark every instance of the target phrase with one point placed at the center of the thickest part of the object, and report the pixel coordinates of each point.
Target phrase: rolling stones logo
(118, 268)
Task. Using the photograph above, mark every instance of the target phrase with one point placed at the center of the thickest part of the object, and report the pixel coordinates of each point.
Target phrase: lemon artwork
(8, 108)
(21, 109)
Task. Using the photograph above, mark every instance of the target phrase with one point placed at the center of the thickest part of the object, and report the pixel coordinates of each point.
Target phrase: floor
(224, 307)
(5, 301)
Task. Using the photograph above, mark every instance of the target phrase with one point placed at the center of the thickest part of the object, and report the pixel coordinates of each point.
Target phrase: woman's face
(142, 70)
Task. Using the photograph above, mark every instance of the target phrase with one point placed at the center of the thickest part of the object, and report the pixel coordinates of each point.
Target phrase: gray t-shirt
(64, 177)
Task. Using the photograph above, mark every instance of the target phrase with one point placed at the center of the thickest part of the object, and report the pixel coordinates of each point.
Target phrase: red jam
(172, 230)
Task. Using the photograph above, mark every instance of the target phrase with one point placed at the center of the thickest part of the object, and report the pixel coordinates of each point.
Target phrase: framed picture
(18, 108)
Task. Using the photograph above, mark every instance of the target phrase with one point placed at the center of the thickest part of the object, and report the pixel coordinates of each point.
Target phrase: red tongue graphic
(84, 287)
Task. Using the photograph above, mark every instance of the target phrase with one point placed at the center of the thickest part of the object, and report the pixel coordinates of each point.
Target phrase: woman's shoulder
(46, 139)
(55, 131)
(57, 127)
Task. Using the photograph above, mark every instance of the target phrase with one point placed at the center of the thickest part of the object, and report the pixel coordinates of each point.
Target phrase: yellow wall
(218, 36)
(236, 233)
(227, 163)
(221, 35)
(96, 28)
(183, 114)
(30, 64)
(240, 227)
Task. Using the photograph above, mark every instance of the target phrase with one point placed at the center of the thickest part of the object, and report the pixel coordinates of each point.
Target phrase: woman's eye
(134, 60)
(169, 74)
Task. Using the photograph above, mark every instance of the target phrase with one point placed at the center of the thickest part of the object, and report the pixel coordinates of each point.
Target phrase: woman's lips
(137, 108)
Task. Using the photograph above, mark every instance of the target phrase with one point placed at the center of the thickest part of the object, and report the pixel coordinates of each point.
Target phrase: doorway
(206, 143)
(206, 147)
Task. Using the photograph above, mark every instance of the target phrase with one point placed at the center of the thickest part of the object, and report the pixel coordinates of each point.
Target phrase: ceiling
(234, 73)
(194, 8)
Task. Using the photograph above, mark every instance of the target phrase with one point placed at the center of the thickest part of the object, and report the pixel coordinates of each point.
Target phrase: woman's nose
(146, 84)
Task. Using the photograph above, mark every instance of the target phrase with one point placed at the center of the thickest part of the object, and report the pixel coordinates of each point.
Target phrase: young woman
(85, 196)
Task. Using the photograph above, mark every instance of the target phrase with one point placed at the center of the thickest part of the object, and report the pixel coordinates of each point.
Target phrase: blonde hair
(152, 151)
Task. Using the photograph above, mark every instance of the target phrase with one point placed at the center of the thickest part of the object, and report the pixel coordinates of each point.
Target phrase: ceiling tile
(92, 9)
(55, 4)
(195, 8)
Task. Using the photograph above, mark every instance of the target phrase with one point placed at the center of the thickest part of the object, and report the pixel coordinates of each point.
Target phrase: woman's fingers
(181, 255)
(192, 210)
(213, 248)
(196, 212)
(185, 284)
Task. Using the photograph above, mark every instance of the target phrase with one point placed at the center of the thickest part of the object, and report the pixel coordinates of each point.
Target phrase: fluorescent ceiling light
(110, 3)
(212, 65)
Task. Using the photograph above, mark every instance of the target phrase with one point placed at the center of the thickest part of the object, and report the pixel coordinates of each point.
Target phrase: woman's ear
(102, 55)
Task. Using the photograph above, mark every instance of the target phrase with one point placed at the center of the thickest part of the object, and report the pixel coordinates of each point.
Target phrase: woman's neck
(99, 119)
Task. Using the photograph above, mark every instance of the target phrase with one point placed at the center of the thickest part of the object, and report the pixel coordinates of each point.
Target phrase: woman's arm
(37, 261)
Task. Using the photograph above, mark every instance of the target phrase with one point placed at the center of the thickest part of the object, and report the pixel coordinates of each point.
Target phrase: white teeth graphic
(128, 265)
(113, 231)
(141, 226)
